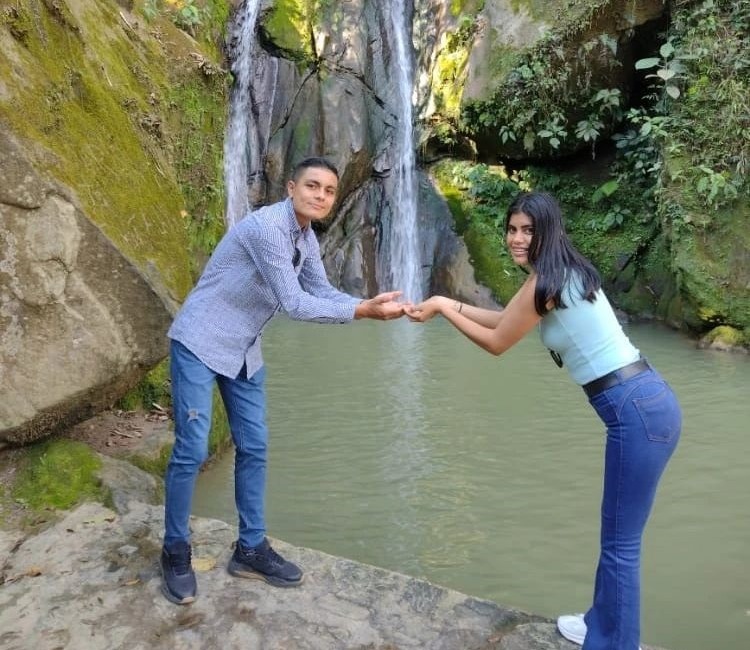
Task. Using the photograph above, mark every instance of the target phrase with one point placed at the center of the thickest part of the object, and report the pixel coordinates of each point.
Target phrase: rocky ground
(89, 578)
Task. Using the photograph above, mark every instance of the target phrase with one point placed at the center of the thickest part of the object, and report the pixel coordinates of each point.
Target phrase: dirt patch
(117, 432)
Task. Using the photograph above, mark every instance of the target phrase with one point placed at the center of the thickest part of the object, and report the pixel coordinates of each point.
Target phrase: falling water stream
(403, 264)
(241, 138)
(399, 259)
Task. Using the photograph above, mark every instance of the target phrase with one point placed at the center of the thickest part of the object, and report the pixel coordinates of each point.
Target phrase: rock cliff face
(328, 87)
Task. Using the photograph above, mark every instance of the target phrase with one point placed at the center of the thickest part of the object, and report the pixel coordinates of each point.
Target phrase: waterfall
(241, 142)
(249, 131)
(402, 242)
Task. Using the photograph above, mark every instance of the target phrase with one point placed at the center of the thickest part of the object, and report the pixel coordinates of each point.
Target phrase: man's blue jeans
(245, 403)
(643, 421)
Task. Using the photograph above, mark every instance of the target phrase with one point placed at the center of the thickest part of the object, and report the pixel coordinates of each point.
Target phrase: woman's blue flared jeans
(192, 398)
(643, 421)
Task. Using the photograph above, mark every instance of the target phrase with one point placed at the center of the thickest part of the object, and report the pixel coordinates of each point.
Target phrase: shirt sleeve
(272, 252)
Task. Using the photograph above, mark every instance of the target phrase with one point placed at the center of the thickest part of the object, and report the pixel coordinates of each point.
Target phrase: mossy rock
(58, 474)
(484, 241)
(106, 101)
(712, 268)
(287, 27)
(726, 338)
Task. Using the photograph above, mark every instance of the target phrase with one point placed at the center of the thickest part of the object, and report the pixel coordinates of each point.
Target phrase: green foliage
(58, 474)
(670, 70)
(711, 122)
(154, 388)
(473, 7)
(696, 107)
(682, 120)
(205, 20)
(604, 222)
(695, 114)
(186, 14)
(553, 96)
(477, 196)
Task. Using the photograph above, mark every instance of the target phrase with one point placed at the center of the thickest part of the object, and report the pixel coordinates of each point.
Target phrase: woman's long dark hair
(551, 253)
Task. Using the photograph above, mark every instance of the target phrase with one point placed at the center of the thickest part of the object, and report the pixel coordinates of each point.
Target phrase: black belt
(615, 377)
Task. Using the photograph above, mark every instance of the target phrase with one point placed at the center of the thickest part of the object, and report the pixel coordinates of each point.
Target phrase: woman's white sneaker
(573, 628)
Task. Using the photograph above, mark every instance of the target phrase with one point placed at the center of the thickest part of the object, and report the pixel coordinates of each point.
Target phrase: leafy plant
(186, 13)
(670, 70)
(554, 131)
(716, 188)
(547, 84)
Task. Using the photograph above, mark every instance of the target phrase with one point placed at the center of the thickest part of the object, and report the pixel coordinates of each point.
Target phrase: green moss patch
(477, 197)
(288, 26)
(725, 337)
(152, 389)
(58, 474)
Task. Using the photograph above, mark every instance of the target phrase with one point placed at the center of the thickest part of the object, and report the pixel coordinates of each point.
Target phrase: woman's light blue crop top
(587, 336)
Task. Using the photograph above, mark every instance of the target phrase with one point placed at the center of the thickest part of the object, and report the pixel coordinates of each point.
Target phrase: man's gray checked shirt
(249, 278)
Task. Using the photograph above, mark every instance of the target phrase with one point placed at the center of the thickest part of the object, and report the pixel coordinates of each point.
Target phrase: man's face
(313, 194)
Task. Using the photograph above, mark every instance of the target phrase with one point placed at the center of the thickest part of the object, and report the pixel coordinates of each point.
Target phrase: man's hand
(381, 307)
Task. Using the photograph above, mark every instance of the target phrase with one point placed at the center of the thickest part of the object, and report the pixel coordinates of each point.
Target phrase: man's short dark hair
(313, 162)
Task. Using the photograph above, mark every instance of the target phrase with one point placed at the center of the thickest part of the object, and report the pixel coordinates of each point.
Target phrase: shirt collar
(294, 228)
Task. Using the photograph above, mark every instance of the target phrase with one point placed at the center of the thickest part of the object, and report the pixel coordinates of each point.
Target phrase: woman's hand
(427, 309)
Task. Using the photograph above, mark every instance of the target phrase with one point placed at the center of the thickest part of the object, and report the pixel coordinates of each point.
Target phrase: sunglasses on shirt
(296, 258)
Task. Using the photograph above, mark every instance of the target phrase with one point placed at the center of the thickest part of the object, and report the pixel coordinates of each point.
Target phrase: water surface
(406, 447)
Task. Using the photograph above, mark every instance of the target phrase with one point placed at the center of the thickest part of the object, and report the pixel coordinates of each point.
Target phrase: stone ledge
(92, 581)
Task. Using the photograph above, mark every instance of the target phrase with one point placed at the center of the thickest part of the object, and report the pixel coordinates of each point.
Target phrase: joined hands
(385, 307)
(426, 309)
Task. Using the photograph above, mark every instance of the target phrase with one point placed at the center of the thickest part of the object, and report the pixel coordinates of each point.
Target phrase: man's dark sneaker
(263, 563)
(178, 582)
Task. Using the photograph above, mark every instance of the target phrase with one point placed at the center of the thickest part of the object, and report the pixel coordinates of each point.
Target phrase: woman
(642, 416)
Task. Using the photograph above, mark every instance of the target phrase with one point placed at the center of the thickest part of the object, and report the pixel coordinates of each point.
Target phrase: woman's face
(518, 237)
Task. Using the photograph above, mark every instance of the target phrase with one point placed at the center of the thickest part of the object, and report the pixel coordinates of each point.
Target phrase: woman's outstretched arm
(485, 317)
(517, 319)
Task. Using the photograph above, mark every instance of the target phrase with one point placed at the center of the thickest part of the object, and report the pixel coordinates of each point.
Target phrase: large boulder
(79, 320)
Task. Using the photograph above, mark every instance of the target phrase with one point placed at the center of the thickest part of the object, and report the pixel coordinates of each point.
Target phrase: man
(269, 262)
